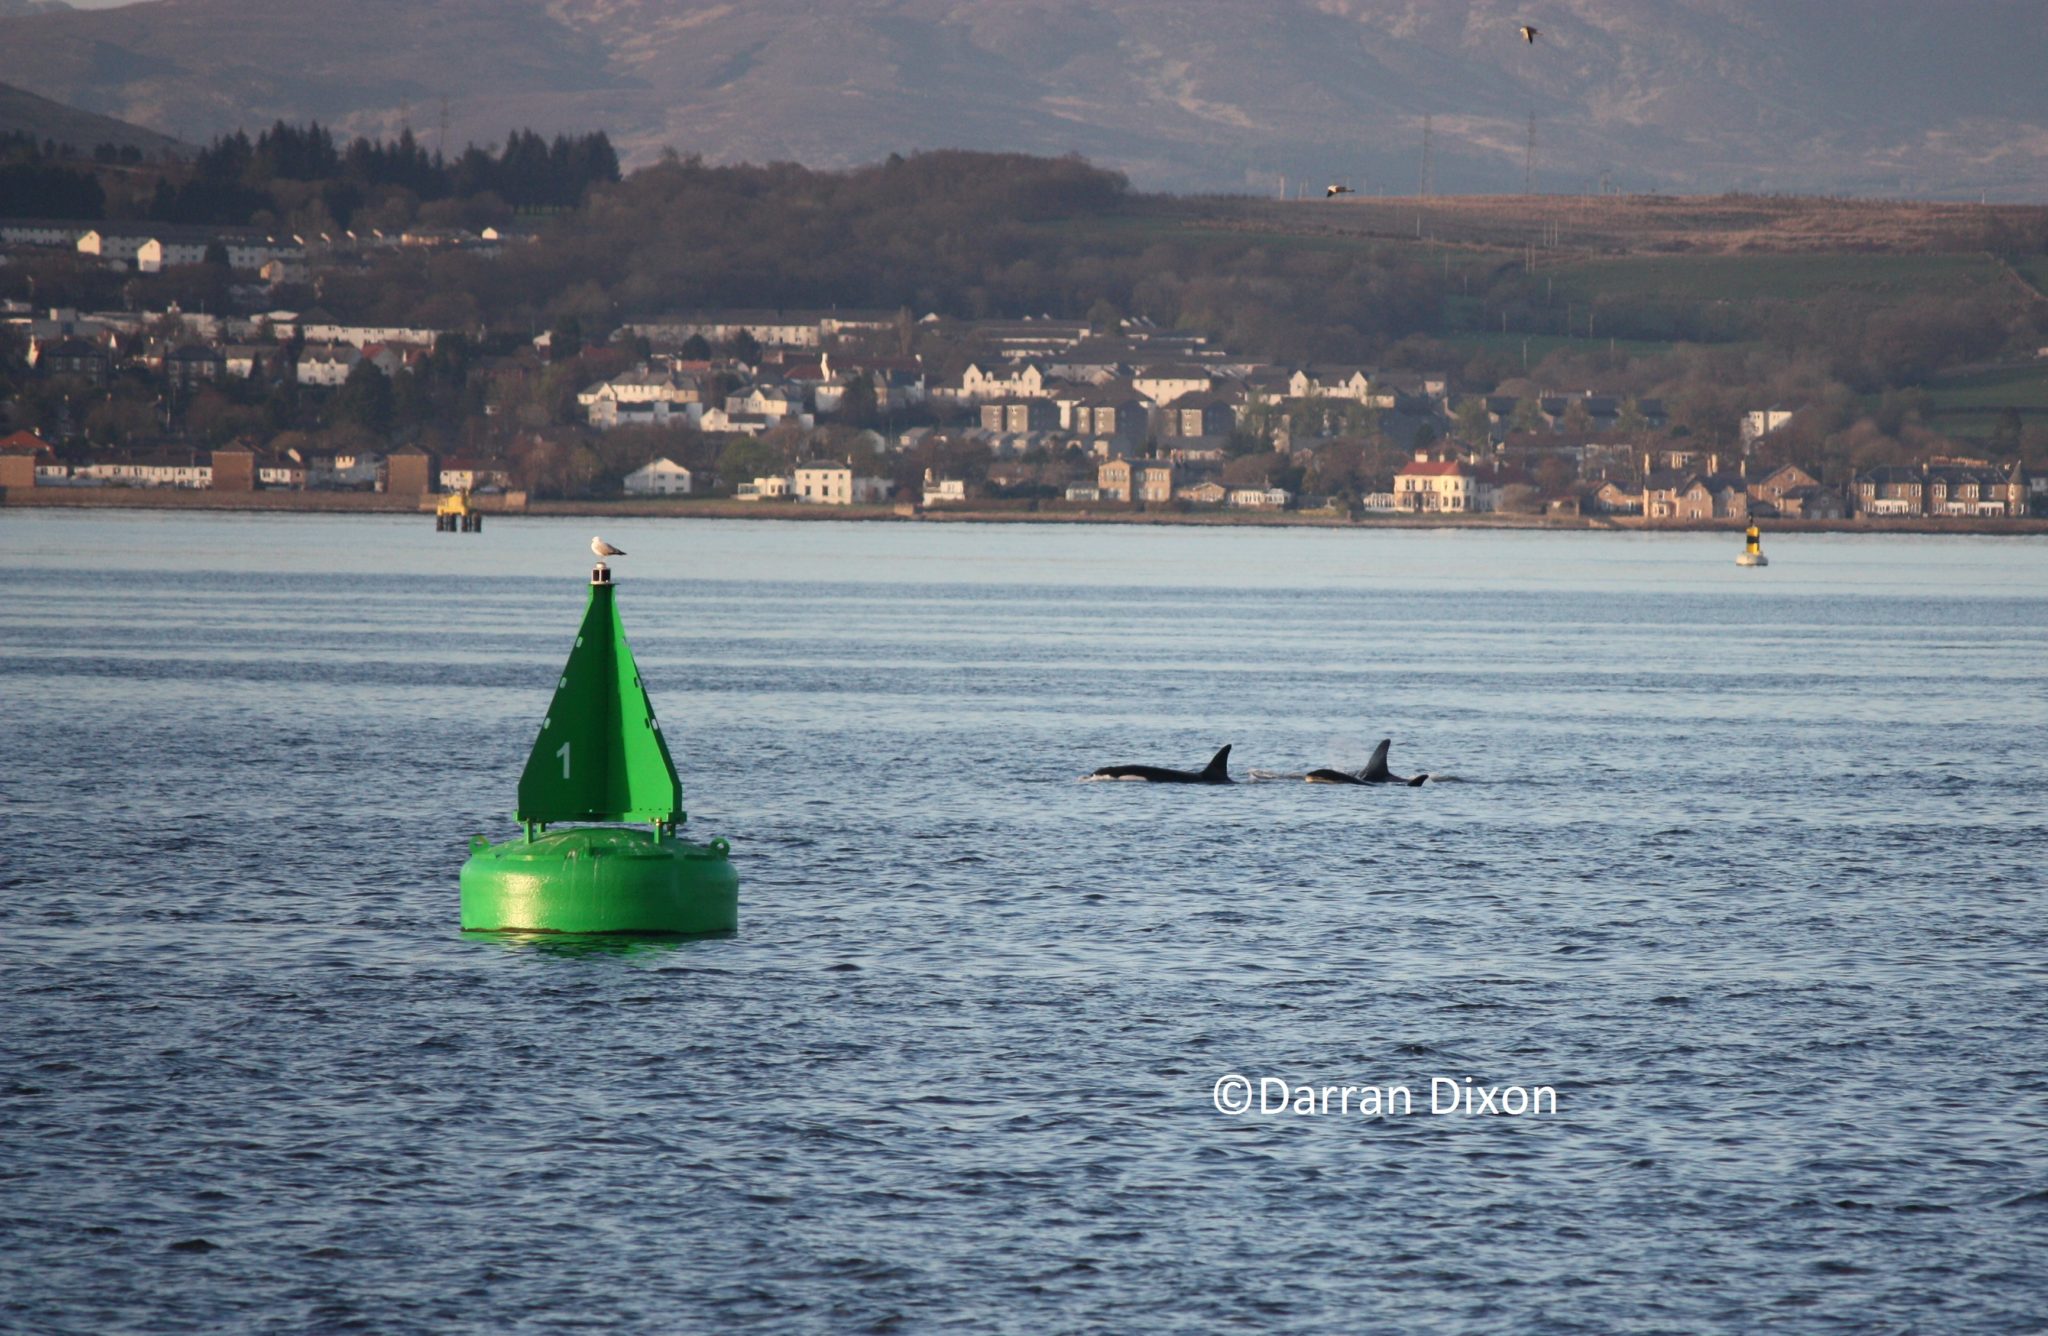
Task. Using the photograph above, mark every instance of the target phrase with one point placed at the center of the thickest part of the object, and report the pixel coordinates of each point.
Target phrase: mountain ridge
(40, 118)
(1188, 95)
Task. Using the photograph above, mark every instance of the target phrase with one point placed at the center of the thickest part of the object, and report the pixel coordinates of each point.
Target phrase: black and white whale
(1216, 772)
(1375, 771)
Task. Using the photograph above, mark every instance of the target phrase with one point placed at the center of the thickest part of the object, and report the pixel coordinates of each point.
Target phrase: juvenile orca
(1375, 772)
(1216, 772)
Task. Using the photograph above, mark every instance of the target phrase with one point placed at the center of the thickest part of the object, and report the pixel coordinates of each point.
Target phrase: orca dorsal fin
(1376, 768)
(1219, 765)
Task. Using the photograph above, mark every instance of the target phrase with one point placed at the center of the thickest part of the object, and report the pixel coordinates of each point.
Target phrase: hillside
(22, 112)
(1670, 95)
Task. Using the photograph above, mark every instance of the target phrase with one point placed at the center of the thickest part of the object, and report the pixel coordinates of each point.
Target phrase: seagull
(604, 549)
(1334, 191)
(1529, 34)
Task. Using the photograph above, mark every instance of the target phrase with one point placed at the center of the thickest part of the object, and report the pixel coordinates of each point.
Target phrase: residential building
(359, 336)
(327, 365)
(1812, 503)
(234, 469)
(1892, 490)
(469, 475)
(720, 421)
(1958, 488)
(1761, 422)
(1770, 489)
(1198, 414)
(84, 358)
(410, 471)
(1615, 498)
(1437, 486)
(1684, 497)
(1327, 382)
(659, 477)
(1111, 412)
(1164, 384)
(21, 458)
(943, 491)
(1019, 416)
(770, 329)
(1153, 481)
(833, 484)
(1003, 381)
(194, 364)
(644, 384)
(1114, 479)
(778, 487)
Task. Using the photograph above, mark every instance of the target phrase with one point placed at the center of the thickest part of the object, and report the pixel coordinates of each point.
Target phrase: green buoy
(600, 757)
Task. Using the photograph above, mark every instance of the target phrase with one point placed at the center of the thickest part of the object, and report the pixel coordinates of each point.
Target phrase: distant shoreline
(377, 503)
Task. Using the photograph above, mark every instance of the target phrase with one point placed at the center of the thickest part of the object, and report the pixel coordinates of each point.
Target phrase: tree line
(237, 180)
(235, 177)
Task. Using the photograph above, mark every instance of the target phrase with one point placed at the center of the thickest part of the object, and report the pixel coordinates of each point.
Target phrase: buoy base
(600, 879)
(1752, 559)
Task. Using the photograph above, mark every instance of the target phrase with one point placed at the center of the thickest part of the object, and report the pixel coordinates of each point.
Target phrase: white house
(1259, 498)
(608, 413)
(280, 471)
(34, 232)
(166, 470)
(111, 245)
(659, 477)
(943, 491)
(776, 488)
(825, 484)
(467, 475)
(644, 385)
(778, 402)
(358, 335)
(1761, 422)
(828, 484)
(1437, 486)
(155, 254)
(1352, 383)
(347, 468)
(718, 420)
(328, 365)
(767, 328)
(1164, 384)
(1002, 382)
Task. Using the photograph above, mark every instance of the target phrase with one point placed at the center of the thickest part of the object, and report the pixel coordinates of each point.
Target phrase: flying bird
(604, 549)
(1529, 34)
(1334, 191)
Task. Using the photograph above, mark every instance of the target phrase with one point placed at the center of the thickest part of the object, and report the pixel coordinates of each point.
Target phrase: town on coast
(531, 332)
(1053, 420)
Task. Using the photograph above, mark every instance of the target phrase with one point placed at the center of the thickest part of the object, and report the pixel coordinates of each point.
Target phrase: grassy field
(1541, 346)
(1744, 278)
(1737, 225)
(2021, 387)
(2034, 269)
(1973, 404)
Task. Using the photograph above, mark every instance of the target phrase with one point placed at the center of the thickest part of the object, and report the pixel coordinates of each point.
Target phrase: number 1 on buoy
(563, 752)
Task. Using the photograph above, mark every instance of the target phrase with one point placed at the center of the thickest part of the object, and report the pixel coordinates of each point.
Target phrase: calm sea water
(1747, 866)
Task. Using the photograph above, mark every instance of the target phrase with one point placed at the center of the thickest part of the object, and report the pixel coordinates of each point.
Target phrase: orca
(1216, 772)
(1375, 772)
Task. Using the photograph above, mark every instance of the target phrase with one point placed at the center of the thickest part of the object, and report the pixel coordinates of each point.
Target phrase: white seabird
(604, 549)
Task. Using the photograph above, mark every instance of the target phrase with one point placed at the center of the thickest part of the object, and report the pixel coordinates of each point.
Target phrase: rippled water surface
(1747, 866)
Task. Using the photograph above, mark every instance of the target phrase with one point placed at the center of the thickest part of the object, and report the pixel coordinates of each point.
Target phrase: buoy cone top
(600, 755)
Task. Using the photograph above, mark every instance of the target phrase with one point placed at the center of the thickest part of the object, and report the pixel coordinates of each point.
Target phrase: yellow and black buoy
(455, 515)
(1753, 549)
